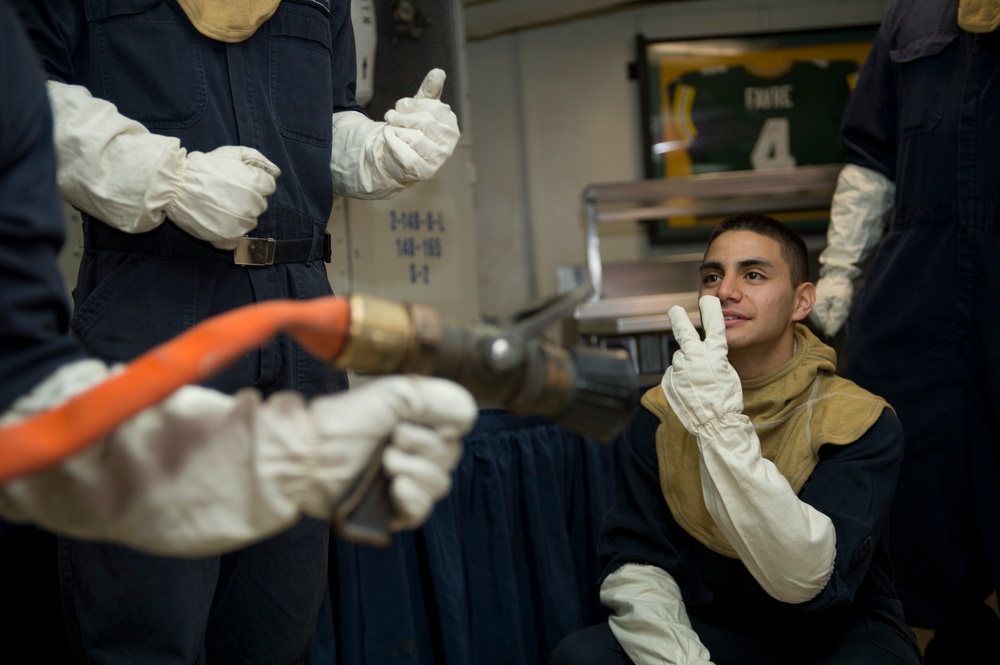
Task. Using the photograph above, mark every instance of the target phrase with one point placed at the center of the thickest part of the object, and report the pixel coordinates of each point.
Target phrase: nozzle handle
(364, 514)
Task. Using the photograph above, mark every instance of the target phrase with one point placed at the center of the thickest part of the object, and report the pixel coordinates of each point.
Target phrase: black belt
(249, 251)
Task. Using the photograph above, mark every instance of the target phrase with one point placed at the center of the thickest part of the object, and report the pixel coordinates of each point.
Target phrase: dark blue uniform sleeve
(876, 114)
(344, 63)
(853, 485)
(34, 338)
(868, 135)
(55, 29)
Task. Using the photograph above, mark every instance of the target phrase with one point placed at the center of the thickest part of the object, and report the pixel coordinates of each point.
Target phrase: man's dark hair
(793, 247)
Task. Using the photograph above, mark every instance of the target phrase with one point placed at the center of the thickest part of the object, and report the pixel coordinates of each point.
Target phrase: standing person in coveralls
(922, 133)
(203, 142)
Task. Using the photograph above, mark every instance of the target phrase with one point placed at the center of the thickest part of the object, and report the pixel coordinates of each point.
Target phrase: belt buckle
(254, 252)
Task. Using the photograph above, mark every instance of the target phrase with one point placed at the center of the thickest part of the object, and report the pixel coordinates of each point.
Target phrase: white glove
(419, 463)
(700, 384)
(649, 619)
(375, 160)
(204, 472)
(217, 196)
(423, 418)
(118, 171)
(787, 545)
(857, 220)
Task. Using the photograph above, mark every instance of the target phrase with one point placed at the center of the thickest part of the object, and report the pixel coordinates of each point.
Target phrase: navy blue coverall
(34, 339)
(34, 320)
(922, 333)
(275, 92)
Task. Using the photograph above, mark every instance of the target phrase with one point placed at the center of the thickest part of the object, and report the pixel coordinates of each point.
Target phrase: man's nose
(728, 289)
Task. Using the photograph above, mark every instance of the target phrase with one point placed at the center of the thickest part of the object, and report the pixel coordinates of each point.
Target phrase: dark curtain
(504, 569)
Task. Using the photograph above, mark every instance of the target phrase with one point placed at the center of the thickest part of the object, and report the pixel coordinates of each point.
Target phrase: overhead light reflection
(667, 146)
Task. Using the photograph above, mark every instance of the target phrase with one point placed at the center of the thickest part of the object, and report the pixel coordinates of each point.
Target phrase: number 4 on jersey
(773, 148)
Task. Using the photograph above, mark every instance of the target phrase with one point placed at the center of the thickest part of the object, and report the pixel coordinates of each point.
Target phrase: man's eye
(709, 279)
(753, 274)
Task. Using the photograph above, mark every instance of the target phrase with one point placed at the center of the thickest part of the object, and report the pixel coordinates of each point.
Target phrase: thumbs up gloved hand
(421, 132)
(373, 160)
(700, 384)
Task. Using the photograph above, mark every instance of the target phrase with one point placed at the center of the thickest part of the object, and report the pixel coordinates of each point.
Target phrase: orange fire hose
(320, 326)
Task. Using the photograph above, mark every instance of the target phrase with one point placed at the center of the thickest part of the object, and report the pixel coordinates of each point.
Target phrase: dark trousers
(868, 642)
(257, 605)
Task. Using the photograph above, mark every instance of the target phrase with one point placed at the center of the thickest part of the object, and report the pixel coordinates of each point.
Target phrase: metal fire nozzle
(589, 391)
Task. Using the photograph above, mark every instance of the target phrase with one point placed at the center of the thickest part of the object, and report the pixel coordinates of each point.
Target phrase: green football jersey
(733, 119)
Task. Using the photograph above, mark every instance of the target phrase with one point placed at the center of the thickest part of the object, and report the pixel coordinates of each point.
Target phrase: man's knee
(595, 645)
(570, 651)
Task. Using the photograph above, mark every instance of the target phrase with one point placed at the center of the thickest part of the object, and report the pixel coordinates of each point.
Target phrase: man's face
(748, 274)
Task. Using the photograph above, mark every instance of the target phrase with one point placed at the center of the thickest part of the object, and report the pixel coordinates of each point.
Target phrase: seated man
(750, 524)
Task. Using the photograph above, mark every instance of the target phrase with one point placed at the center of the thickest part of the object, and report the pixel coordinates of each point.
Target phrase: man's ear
(805, 298)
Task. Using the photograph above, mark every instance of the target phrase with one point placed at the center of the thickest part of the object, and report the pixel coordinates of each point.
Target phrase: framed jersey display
(745, 103)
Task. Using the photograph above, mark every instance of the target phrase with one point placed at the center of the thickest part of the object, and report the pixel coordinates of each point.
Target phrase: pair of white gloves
(204, 472)
(115, 169)
(787, 545)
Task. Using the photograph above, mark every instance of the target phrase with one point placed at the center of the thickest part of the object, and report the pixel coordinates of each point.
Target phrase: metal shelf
(768, 191)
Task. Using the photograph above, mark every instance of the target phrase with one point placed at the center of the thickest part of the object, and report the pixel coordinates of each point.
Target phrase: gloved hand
(372, 160)
(334, 438)
(649, 618)
(700, 384)
(118, 171)
(421, 132)
(204, 472)
(216, 196)
(857, 221)
(834, 295)
(418, 463)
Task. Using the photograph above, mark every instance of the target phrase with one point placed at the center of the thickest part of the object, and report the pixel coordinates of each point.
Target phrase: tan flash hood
(978, 16)
(228, 20)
